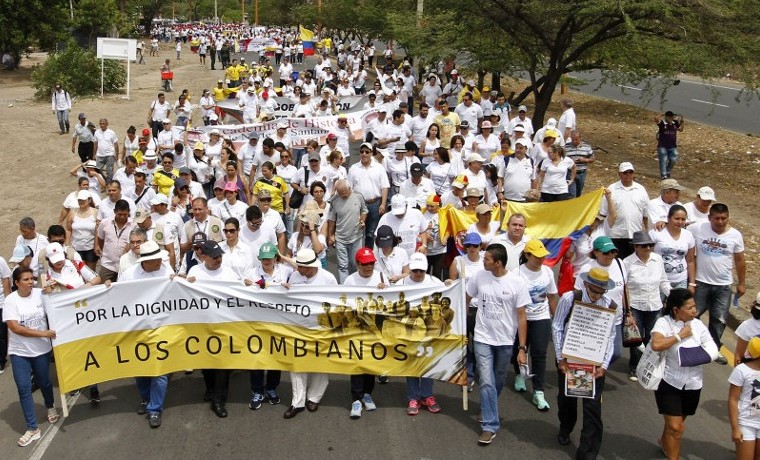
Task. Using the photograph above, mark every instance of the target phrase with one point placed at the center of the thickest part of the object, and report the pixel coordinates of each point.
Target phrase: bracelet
(693, 284)
(678, 338)
(522, 348)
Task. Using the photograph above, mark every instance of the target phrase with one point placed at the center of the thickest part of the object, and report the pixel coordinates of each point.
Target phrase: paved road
(707, 103)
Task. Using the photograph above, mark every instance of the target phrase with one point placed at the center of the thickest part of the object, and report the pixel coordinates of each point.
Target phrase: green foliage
(96, 18)
(78, 71)
(27, 23)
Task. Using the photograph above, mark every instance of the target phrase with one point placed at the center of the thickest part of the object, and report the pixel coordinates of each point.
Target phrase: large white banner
(154, 327)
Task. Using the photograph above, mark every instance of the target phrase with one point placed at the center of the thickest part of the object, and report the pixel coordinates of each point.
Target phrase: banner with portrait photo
(155, 327)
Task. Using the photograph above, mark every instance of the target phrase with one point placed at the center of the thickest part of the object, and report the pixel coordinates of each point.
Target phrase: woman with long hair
(553, 182)
(80, 227)
(676, 245)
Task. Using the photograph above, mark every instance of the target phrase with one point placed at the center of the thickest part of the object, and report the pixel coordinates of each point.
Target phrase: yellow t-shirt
(163, 182)
(233, 73)
(220, 94)
(277, 188)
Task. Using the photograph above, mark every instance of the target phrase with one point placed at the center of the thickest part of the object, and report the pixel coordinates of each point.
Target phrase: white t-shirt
(441, 175)
(749, 401)
(355, 279)
(136, 272)
(392, 264)
(5, 272)
(498, 301)
(517, 177)
(566, 120)
(747, 329)
(200, 272)
(715, 253)
(306, 244)
(694, 215)
(673, 252)
(279, 275)
(493, 229)
(29, 312)
(406, 227)
(264, 234)
(69, 276)
(540, 285)
(555, 176)
(323, 277)
(240, 259)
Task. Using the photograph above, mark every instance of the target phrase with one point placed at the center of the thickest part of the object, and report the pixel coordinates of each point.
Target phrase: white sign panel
(117, 48)
(588, 333)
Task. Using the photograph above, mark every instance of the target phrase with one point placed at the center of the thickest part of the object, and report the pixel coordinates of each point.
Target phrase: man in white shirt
(257, 231)
(106, 208)
(657, 208)
(430, 91)
(420, 124)
(248, 152)
(514, 240)
(369, 178)
(408, 224)
(522, 119)
(630, 199)
(696, 211)
(158, 112)
(35, 241)
(166, 139)
(344, 137)
(502, 298)
(126, 174)
(172, 224)
(106, 147)
(719, 251)
(470, 111)
(61, 104)
(566, 121)
(516, 173)
(417, 187)
(272, 217)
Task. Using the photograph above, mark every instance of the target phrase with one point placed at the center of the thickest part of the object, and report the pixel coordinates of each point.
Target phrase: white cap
(626, 166)
(475, 157)
(706, 193)
(83, 195)
(418, 261)
(160, 198)
(522, 108)
(398, 204)
(54, 253)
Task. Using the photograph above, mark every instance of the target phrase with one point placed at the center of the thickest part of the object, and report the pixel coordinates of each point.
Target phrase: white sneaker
(369, 404)
(356, 410)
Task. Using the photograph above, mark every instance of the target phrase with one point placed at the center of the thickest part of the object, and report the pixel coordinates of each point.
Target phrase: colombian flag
(557, 224)
(307, 37)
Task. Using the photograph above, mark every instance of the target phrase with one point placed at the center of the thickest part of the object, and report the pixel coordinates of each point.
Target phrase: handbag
(296, 197)
(651, 368)
(631, 334)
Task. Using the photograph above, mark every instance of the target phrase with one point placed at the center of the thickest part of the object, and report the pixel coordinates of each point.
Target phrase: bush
(78, 71)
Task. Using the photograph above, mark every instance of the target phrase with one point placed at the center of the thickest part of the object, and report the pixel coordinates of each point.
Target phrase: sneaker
(28, 437)
(413, 408)
(721, 359)
(52, 415)
(431, 404)
(256, 401)
(142, 408)
(471, 387)
(632, 376)
(356, 410)
(486, 437)
(382, 379)
(94, 395)
(520, 384)
(2, 369)
(273, 397)
(539, 401)
(369, 404)
(154, 420)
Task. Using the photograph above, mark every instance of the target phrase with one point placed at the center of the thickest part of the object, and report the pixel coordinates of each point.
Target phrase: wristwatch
(523, 348)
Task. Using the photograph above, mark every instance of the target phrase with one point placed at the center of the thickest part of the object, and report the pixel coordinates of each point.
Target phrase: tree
(96, 18)
(28, 23)
(631, 40)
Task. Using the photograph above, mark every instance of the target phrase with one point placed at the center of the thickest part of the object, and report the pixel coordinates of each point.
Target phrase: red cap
(146, 132)
(332, 136)
(365, 256)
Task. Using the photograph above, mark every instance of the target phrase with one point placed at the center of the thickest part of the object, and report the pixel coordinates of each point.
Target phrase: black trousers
(593, 428)
(84, 149)
(272, 381)
(360, 384)
(217, 384)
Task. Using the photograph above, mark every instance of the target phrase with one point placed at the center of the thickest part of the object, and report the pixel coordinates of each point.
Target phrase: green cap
(604, 244)
(267, 251)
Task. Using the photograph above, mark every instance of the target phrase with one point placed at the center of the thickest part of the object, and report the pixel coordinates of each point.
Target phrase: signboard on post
(119, 49)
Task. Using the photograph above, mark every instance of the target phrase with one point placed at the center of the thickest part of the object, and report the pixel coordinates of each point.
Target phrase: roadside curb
(736, 316)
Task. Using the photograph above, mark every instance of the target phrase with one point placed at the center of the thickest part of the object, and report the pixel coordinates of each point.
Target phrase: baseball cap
(486, 125)
(199, 146)
(464, 124)
(416, 169)
(84, 195)
(523, 141)
(253, 135)
(231, 187)
(185, 170)
(20, 252)
(398, 205)
(385, 237)
(552, 133)
(332, 136)
(82, 115)
(472, 238)
(315, 156)
(753, 347)
(626, 166)
(604, 244)
(475, 156)
(54, 253)
(165, 121)
(160, 198)
(198, 239)
(418, 261)
(706, 193)
(482, 208)
(670, 184)
(212, 249)
(521, 127)
(267, 251)
(522, 108)
(536, 247)
(145, 131)
(365, 256)
(141, 215)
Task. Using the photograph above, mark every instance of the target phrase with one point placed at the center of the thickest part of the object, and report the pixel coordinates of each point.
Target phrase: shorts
(676, 402)
(88, 256)
(749, 433)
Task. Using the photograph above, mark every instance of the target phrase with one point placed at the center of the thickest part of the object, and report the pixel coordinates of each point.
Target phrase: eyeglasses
(255, 223)
(627, 172)
(365, 151)
(596, 291)
(230, 230)
(265, 200)
(368, 264)
(471, 245)
(649, 245)
(417, 270)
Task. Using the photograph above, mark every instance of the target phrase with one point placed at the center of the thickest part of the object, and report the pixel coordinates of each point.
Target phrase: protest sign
(588, 333)
(155, 327)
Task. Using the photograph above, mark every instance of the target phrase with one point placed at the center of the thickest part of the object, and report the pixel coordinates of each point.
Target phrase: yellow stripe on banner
(258, 345)
(557, 219)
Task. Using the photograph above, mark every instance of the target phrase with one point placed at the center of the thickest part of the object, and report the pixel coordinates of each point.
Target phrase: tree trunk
(481, 78)
(496, 81)
(544, 98)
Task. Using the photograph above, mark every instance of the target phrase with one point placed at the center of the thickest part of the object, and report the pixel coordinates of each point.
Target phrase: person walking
(61, 103)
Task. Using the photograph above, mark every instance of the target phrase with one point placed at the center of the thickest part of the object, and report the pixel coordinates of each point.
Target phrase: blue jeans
(418, 388)
(153, 390)
(346, 262)
(717, 300)
(105, 164)
(668, 157)
(63, 120)
(576, 187)
(645, 322)
(23, 368)
(370, 225)
(492, 362)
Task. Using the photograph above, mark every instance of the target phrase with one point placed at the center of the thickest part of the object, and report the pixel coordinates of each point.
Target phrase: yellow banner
(155, 327)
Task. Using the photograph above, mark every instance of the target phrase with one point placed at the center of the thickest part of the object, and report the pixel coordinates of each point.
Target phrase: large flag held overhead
(557, 224)
(307, 37)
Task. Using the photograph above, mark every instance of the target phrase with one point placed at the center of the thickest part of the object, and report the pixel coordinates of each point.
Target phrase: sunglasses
(471, 245)
(265, 200)
(649, 245)
(613, 252)
(368, 264)
(597, 291)
(417, 270)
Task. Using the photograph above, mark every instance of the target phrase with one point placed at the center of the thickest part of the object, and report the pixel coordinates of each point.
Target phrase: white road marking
(630, 87)
(52, 430)
(709, 84)
(711, 103)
